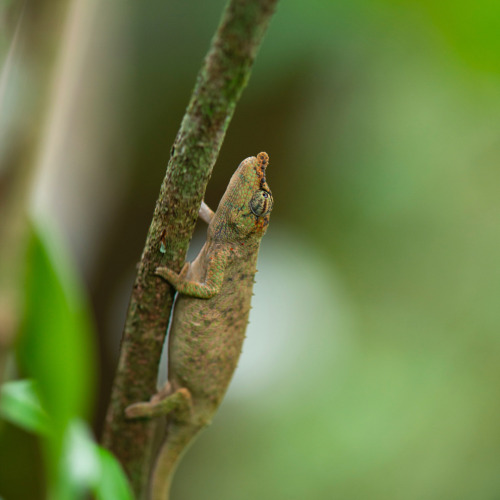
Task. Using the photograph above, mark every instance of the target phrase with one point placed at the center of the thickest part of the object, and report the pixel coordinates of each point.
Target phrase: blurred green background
(371, 366)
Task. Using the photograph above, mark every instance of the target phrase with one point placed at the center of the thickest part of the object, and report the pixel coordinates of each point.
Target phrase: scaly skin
(210, 316)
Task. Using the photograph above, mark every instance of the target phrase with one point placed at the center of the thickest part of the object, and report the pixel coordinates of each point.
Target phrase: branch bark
(223, 76)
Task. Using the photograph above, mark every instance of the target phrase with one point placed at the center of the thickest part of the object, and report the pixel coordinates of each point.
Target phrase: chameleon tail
(178, 438)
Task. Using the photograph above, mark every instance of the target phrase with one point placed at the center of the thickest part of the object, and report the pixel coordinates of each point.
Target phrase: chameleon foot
(179, 402)
(171, 276)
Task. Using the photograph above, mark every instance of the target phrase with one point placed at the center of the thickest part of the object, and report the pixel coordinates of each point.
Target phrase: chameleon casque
(210, 316)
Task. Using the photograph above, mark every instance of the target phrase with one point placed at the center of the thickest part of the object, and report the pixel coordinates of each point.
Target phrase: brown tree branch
(223, 76)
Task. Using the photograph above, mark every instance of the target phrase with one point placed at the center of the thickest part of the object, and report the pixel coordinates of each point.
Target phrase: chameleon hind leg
(160, 404)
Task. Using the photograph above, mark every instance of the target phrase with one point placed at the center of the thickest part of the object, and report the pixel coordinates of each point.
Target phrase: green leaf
(85, 467)
(55, 347)
(20, 405)
(79, 463)
(112, 483)
(56, 341)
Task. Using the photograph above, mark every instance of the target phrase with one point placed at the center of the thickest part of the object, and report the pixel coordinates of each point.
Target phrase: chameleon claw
(138, 410)
(167, 274)
(171, 276)
(179, 402)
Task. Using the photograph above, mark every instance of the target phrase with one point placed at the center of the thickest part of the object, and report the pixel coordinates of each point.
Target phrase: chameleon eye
(261, 203)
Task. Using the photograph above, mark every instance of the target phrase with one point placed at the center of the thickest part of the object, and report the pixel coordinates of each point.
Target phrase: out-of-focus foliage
(471, 30)
(371, 364)
(83, 465)
(55, 349)
(20, 405)
(55, 346)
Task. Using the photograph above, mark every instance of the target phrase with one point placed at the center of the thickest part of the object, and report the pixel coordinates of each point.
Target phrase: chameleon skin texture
(210, 317)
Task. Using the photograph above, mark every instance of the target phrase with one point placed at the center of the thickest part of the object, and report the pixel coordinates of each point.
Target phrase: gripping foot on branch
(213, 281)
(161, 404)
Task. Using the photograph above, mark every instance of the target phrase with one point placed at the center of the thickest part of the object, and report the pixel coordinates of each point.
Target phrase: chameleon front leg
(213, 280)
(206, 213)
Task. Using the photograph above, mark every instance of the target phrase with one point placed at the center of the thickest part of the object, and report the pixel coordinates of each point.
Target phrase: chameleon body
(210, 316)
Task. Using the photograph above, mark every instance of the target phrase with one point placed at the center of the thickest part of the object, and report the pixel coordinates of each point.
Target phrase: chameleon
(210, 316)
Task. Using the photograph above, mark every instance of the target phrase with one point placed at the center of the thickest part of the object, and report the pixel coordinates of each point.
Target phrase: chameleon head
(247, 202)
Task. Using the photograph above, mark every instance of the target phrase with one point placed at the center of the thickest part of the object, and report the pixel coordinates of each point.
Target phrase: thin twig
(223, 76)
